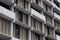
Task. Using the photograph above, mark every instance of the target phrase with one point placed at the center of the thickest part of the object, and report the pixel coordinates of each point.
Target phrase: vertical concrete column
(52, 10)
(54, 26)
(54, 33)
(11, 28)
(43, 28)
(12, 8)
(42, 13)
(29, 17)
(43, 38)
(29, 36)
(53, 21)
(42, 3)
(29, 6)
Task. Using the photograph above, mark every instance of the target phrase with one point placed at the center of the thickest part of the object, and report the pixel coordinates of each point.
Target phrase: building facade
(29, 20)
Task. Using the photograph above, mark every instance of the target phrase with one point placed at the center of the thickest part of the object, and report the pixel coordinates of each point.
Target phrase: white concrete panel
(58, 0)
(58, 37)
(6, 12)
(56, 6)
(56, 16)
(15, 38)
(37, 14)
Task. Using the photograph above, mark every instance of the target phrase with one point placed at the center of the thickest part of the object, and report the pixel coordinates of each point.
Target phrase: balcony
(37, 15)
(8, 2)
(50, 37)
(57, 17)
(58, 30)
(7, 14)
(15, 38)
(21, 9)
(3, 36)
(48, 13)
(37, 31)
(56, 8)
(49, 25)
(36, 6)
(22, 24)
(48, 2)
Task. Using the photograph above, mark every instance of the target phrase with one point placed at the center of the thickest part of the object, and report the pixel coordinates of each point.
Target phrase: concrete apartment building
(29, 20)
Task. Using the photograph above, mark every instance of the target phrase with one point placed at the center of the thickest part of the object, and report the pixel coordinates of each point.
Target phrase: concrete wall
(23, 33)
(36, 24)
(51, 32)
(5, 27)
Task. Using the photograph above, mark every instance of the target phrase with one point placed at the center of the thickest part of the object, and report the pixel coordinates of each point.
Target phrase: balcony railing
(6, 13)
(37, 15)
(56, 16)
(48, 2)
(36, 6)
(56, 6)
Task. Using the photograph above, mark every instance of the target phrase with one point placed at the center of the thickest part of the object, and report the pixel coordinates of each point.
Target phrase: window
(17, 31)
(48, 30)
(26, 19)
(34, 23)
(20, 16)
(55, 23)
(37, 1)
(16, 1)
(37, 37)
(46, 7)
(26, 34)
(49, 20)
(24, 3)
(47, 39)
(49, 9)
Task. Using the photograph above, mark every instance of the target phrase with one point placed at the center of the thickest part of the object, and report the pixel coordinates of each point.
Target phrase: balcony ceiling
(7, 2)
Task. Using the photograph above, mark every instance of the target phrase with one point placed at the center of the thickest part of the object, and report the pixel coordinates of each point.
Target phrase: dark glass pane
(37, 1)
(20, 16)
(37, 37)
(17, 31)
(16, 1)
